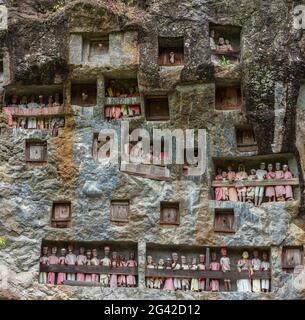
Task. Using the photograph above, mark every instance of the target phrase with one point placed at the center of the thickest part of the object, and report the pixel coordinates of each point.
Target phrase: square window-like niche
(36, 152)
(169, 213)
(119, 211)
(245, 139)
(84, 94)
(291, 257)
(228, 98)
(224, 221)
(225, 44)
(157, 108)
(96, 48)
(61, 215)
(171, 51)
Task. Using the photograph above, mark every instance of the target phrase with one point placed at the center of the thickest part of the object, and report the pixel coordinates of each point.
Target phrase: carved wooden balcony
(89, 269)
(32, 112)
(196, 274)
(110, 101)
(147, 171)
(256, 183)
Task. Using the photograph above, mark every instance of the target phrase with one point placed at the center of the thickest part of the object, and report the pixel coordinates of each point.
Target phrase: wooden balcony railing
(89, 269)
(196, 274)
(33, 112)
(256, 183)
(110, 101)
(147, 171)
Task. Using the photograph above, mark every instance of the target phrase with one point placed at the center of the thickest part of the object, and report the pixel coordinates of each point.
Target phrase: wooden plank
(259, 183)
(82, 283)
(110, 101)
(25, 112)
(147, 171)
(89, 269)
(190, 274)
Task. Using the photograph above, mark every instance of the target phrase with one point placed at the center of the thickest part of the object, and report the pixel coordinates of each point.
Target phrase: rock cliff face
(42, 48)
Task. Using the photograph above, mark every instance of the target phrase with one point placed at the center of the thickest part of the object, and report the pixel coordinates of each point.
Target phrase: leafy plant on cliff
(223, 62)
(2, 243)
(60, 4)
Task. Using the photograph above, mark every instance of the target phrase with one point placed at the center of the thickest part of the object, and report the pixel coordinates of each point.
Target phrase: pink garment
(121, 280)
(117, 112)
(51, 275)
(233, 194)
(130, 279)
(136, 109)
(270, 191)
(114, 277)
(232, 191)
(94, 277)
(202, 284)
(61, 277)
(240, 176)
(80, 277)
(88, 278)
(169, 284)
(122, 277)
(288, 189)
(279, 190)
(218, 190)
(214, 284)
(81, 260)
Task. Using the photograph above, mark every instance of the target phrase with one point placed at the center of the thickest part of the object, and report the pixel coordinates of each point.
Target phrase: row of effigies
(196, 284)
(87, 257)
(254, 194)
(223, 44)
(35, 102)
(121, 110)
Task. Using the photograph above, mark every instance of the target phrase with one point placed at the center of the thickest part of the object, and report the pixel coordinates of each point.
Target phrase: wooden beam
(88, 269)
(147, 171)
(257, 183)
(110, 101)
(196, 274)
(82, 283)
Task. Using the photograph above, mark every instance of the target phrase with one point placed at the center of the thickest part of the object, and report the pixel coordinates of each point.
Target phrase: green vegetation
(223, 62)
(2, 243)
(60, 4)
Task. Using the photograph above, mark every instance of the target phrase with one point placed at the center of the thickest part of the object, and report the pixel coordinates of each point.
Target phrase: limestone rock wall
(271, 73)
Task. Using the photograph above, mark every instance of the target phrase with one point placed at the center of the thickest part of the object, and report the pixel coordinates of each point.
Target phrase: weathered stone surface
(271, 73)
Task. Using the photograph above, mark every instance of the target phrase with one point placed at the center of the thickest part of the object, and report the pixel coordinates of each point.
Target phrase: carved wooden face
(107, 251)
(223, 251)
(149, 260)
(175, 256)
(94, 253)
(201, 258)
(45, 250)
